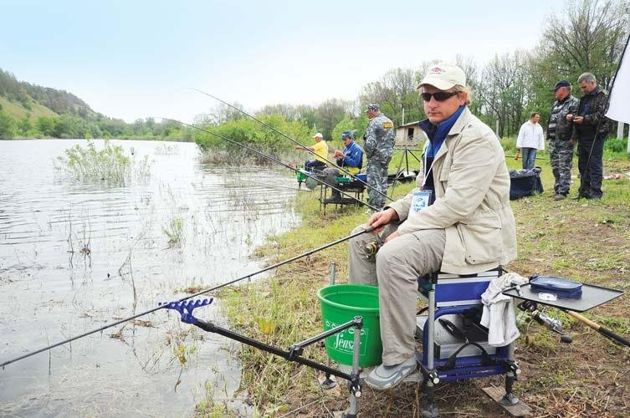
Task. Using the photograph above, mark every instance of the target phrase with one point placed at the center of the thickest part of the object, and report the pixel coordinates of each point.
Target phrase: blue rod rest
(186, 308)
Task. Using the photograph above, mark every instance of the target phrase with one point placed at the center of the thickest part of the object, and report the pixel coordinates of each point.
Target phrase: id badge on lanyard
(420, 200)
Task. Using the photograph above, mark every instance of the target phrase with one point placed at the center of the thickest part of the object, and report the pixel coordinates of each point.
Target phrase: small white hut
(410, 135)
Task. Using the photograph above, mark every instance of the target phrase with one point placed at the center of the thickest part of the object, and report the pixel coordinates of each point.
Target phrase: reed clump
(109, 164)
(174, 231)
(87, 163)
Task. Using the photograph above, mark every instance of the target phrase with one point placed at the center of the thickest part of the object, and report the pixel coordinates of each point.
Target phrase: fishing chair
(349, 186)
(455, 345)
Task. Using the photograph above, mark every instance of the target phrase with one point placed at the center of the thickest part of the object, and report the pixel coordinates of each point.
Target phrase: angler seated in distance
(458, 221)
(320, 148)
(350, 159)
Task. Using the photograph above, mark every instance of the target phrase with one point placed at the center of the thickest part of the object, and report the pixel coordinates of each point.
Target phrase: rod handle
(604, 331)
(613, 336)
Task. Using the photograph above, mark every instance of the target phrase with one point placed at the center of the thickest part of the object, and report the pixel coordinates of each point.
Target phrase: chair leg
(429, 409)
(511, 376)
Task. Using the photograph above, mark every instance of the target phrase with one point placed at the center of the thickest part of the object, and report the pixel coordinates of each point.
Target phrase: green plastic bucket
(340, 304)
(301, 176)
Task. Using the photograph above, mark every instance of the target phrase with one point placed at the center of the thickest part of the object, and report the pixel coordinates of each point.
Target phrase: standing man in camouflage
(591, 128)
(379, 146)
(559, 135)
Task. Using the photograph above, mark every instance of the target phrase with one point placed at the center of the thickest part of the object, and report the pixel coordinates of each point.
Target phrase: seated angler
(350, 159)
(459, 220)
(320, 148)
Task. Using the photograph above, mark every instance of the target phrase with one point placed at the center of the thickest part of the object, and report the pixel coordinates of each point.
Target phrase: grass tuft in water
(90, 164)
(108, 165)
(174, 231)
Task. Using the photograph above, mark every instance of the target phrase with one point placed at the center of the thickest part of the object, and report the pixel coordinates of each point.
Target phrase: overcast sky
(134, 58)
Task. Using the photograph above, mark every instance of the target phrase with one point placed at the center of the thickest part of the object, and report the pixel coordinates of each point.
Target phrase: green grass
(19, 112)
(174, 231)
(584, 240)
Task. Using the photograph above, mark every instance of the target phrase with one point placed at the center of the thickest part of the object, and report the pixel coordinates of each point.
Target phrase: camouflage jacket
(379, 139)
(593, 107)
(559, 127)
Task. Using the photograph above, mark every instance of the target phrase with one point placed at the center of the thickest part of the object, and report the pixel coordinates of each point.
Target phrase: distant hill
(20, 99)
(31, 111)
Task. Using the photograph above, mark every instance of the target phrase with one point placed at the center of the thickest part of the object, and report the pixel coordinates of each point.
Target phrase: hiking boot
(559, 196)
(386, 377)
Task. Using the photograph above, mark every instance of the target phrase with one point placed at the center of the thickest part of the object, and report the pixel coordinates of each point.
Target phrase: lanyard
(426, 175)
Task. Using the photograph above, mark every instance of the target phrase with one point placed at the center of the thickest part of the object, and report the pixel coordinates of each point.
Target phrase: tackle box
(445, 344)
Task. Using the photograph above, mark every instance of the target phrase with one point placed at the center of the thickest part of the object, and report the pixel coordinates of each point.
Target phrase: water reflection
(74, 257)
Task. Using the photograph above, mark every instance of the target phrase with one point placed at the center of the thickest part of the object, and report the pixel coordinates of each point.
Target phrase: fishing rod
(602, 330)
(276, 160)
(247, 276)
(296, 142)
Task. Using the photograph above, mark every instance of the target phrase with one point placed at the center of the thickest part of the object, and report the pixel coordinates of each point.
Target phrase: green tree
(95, 131)
(329, 114)
(68, 126)
(589, 35)
(7, 126)
(474, 83)
(397, 90)
(348, 123)
(248, 132)
(112, 128)
(503, 91)
(46, 125)
(25, 126)
(308, 115)
(287, 111)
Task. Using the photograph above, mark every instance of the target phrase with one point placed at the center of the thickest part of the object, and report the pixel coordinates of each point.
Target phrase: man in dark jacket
(591, 128)
(559, 132)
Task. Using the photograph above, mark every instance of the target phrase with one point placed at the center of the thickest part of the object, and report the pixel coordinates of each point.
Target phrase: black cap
(372, 107)
(561, 83)
(347, 134)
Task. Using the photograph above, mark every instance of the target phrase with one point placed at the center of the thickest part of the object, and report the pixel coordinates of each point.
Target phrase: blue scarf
(437, 133)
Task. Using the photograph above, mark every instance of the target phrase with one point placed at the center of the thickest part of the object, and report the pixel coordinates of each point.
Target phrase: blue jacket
(353, 156)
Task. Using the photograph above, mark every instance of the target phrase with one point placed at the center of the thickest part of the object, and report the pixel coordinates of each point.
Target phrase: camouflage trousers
(561, 157)
(377, 183)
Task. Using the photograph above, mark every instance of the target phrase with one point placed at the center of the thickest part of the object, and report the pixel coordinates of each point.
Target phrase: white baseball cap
(444, 76)
(318, 135)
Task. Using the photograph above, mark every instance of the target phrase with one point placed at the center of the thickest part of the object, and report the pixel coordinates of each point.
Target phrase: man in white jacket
(530, 139)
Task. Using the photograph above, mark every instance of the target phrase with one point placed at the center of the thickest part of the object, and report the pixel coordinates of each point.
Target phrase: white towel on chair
(498, 310)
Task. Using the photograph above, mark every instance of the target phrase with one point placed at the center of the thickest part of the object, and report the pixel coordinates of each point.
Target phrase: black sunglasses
(439, 96)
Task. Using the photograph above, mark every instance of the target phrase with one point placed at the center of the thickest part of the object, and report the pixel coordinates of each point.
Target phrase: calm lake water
(71, 255)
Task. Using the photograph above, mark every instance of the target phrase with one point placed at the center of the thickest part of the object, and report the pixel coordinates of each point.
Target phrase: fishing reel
(371, 248)
(552, 324)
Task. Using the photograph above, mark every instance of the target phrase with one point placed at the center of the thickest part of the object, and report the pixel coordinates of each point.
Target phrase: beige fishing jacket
(472, 189)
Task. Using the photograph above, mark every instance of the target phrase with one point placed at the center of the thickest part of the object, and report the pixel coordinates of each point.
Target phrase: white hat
(444, 76)
(318, 135)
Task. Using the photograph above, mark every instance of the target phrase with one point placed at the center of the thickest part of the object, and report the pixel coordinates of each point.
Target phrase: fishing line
(276, 160)
(247, 276)
(295, 141)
